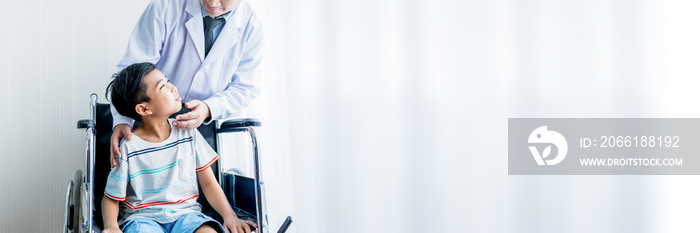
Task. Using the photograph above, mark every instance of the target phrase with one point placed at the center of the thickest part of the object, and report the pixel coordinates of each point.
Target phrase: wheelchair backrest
(103, 131)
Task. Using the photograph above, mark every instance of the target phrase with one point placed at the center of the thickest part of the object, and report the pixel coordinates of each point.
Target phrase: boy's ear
(143, 110)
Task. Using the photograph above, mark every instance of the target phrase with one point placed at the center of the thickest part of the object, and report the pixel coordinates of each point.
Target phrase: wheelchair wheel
(68, 208)
(77, 204)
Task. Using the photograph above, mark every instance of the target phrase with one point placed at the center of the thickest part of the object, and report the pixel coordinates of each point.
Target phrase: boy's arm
(110, 210)
(115, 191)
(217, 199)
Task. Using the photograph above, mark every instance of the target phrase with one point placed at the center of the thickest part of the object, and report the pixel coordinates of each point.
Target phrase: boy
(155, 177)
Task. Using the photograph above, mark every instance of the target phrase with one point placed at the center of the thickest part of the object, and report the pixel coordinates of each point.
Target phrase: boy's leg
(205, 228)
(142, 225)
(197, 222)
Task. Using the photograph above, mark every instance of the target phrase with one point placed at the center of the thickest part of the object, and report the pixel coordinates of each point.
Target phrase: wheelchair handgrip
(84, 124)
(238, 124)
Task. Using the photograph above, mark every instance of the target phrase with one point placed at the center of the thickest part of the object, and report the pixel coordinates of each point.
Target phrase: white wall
(54, 54)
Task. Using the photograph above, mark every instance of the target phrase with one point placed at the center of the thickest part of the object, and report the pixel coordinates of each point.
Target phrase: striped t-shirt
(159, 180)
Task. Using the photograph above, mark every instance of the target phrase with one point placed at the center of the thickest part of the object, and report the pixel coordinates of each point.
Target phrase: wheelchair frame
(80, 193)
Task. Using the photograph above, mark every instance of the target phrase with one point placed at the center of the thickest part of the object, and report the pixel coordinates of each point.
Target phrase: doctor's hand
(120, 131)
(193, 119)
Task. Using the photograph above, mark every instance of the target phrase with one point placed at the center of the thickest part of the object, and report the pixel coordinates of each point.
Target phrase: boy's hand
(120, 131)
(112, 230)
(194, 118)
(233, 224)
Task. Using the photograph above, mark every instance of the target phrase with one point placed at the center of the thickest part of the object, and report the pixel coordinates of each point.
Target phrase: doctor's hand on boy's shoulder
(233, 224)
(120, 131)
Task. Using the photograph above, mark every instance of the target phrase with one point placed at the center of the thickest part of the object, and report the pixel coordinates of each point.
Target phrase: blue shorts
(186, 224)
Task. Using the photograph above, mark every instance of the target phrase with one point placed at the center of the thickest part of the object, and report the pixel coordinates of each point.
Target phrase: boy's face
(165, 100)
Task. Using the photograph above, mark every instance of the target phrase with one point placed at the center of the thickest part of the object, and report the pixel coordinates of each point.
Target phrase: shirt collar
(225, 16)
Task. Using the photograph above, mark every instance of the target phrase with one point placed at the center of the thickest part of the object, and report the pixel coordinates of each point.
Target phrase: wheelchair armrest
(235, 171)
(84, 124)
(237, 125)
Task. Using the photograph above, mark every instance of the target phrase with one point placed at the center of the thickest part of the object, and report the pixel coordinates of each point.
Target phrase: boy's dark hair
(127, 89)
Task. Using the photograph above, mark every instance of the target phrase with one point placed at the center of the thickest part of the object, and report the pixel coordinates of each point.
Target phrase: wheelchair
(84, 192)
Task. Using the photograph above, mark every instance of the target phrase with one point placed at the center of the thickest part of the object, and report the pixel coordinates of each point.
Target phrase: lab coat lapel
(228, 37)
(195, 26)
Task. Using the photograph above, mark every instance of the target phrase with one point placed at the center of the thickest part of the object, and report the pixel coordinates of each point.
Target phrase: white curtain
(398, 110)
(273, 137)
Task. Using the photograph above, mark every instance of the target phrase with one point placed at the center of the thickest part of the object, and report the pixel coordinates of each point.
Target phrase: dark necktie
(209, 25)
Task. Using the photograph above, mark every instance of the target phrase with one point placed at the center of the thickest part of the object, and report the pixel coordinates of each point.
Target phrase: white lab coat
(170, 34)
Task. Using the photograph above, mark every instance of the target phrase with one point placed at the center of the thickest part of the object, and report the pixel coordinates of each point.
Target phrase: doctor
(209, 49)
